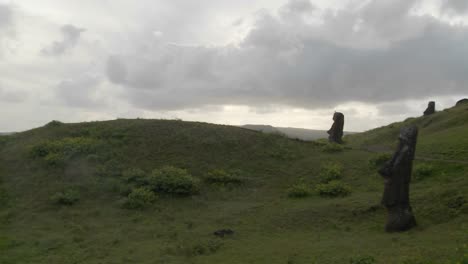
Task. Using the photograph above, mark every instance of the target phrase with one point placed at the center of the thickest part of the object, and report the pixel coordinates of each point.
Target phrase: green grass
(442, 135)
(105, 161)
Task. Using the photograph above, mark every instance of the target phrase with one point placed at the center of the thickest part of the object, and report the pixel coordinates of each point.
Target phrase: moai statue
(397, 175)
(336, 131)
(430, 109)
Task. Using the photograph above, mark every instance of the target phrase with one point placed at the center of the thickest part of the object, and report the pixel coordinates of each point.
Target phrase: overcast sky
(279, 62)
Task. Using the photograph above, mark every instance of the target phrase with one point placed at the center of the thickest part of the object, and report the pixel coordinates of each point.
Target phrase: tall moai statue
(336, 131)
(397, 175)
(430, 108)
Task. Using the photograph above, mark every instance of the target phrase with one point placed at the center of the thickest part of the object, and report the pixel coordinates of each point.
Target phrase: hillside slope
(86, 165)
(443, 135)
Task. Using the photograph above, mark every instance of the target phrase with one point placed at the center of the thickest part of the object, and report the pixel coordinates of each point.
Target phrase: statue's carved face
(409, 134)
(338, 116)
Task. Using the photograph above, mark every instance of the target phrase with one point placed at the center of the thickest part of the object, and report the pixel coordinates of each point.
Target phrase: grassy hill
(443, 135)
(93, 193)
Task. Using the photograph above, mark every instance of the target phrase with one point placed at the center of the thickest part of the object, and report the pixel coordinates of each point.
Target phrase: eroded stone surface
(397, 175)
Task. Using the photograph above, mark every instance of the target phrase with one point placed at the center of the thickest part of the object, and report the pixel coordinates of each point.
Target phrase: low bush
(330, 172)
(222, 177)
(67, 197)
(140, 198)
(332, 148)
(57, 152)
(299, 190)
(55, 160)
(333, 189)
(422, 171)
(172, 180)
(379, 160)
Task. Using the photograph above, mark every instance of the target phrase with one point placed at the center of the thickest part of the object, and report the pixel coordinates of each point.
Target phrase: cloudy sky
(279, 62)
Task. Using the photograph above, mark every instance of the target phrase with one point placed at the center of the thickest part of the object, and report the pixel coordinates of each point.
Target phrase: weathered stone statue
(336, 131)
(397, 175)
(430, 109)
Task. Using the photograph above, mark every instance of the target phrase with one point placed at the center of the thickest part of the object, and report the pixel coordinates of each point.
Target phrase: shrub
(422, 171)
(222, 177)
(140, 198)
(299, 190)
(379, 160)
(333, 189)
(330, 172)
(362, 260)
(67, 197)
(172, 180)
(332, 148)
(54, 160)
(57, 152)
(135, 175)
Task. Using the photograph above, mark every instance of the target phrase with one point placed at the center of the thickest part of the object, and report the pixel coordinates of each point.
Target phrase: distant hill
(262, 128)
(291, 132)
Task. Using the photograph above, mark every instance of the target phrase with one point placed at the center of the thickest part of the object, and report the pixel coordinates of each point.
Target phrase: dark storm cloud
(376, 53)
(70, 37)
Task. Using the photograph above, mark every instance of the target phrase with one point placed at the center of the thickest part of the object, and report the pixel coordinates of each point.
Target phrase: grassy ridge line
(442, 135)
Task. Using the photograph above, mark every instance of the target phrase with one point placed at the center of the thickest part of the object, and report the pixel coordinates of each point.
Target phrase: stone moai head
(338, 117)
(430, 108)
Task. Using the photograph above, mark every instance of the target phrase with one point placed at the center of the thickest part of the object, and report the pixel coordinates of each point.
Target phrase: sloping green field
(65, 192)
